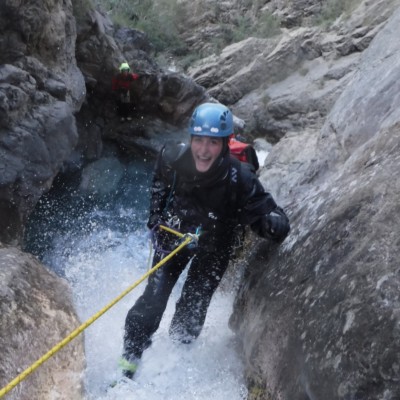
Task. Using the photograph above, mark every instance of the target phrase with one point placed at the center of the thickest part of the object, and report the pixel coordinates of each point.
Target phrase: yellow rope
(80, 329)
(166, 228)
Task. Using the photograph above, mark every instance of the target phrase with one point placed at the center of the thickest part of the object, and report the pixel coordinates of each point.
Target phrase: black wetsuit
(227, 195)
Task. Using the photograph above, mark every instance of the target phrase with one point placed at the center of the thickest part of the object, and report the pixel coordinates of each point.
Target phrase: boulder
(40, 89)
(36, 314)
(318, 316)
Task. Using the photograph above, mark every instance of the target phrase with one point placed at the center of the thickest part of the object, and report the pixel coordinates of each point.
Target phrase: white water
(101, 248)
(101, 267)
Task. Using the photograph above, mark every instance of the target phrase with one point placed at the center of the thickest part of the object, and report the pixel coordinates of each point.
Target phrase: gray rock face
(289, 82)
(42, 92)
(318, 316)
(36, 313)
(369, 104)
(164, 96)
(40, 89)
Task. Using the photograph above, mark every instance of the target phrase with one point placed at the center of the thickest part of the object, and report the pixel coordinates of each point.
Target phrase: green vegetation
(158, 19)
(265, 99)
(267, 26)
(333, 9)
(164, 21)
(243, 27)
(188, 60)
(81, 7)
(303, 71)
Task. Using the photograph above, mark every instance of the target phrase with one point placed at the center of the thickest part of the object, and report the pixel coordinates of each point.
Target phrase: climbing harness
(185, 239)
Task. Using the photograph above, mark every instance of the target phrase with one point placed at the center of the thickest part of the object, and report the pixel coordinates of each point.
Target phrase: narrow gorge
(316, 318)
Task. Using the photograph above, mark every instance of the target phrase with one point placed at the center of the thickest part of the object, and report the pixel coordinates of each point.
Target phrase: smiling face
(205, 150)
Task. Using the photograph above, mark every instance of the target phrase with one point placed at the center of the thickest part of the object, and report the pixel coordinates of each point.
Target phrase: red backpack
(244, 152)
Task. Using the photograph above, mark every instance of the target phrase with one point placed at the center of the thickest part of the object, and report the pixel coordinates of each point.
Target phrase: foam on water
(103, 265)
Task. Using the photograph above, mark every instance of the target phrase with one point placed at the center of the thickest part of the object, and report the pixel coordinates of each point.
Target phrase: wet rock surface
(317, 316)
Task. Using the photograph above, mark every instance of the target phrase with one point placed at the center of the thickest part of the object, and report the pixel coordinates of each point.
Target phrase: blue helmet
(211, 119)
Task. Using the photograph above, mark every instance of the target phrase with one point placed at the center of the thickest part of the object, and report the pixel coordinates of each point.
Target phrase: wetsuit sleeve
(164, 177)
(261, 212)
(159, 193)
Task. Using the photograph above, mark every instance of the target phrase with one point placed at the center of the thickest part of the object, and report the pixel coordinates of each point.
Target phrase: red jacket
(122, 81)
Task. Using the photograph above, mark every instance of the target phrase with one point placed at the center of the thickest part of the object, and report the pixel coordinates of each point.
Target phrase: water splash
(206, 368)
(102, 248)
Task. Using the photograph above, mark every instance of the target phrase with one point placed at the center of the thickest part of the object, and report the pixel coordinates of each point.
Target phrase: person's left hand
(277, 225)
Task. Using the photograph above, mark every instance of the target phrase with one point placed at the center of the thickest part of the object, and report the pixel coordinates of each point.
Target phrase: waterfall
(99, 243)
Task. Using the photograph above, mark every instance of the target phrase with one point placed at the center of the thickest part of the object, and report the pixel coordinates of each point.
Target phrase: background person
(121, 86)
(197, 186)
(243, 151)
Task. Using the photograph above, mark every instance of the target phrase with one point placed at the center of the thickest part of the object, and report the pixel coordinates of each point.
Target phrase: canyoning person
(121, 86)
(197, 187)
